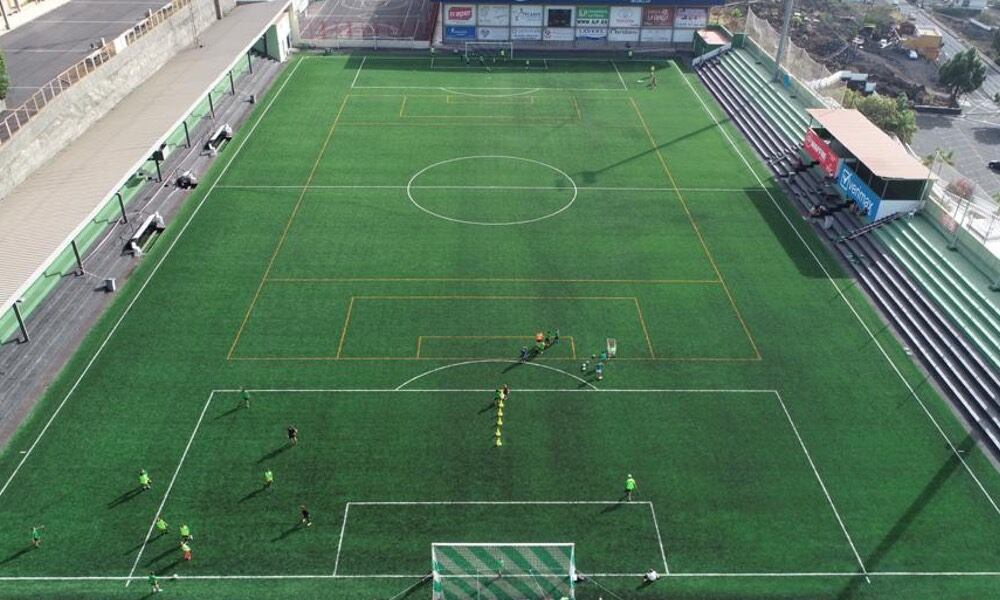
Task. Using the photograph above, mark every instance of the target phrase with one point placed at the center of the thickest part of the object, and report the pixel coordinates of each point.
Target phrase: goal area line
(675, 575)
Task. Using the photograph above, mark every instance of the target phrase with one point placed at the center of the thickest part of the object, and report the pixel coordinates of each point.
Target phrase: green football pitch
(369, 255)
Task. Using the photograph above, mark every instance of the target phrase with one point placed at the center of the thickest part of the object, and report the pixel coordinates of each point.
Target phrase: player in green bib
(268, 478)
(144, 480)
(36, 535)
(244, 398)
(186, 533)
(161, 526)
(630, 487)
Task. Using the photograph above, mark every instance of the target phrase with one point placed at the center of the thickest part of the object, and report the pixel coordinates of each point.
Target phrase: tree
(892, 115)
(963, 74)
(4, 82)
(946, 157)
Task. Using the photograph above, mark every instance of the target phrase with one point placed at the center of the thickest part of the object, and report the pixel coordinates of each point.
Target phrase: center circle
(472, 203)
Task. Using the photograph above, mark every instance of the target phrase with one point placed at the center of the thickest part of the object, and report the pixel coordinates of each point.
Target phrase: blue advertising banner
(858, 191)
(699, 3)
(460, 32)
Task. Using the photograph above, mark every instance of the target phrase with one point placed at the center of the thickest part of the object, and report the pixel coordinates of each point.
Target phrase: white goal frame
(499, 574)
(508, 46)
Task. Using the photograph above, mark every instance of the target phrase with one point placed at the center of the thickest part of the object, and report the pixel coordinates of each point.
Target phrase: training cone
(498, 443)
(498, 433)
(500, 404)
(500, 411)
(499, 421)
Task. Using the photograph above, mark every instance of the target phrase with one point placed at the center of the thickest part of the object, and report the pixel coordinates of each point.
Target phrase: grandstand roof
(881, 154)
(40, 218)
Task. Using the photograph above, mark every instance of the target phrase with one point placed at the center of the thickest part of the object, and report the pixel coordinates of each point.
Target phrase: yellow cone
(500, 404)
(499, 442)
(500, 412)
(498, 434)
(499, 421)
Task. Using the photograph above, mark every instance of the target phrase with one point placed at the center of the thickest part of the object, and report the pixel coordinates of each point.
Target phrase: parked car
(994, 165)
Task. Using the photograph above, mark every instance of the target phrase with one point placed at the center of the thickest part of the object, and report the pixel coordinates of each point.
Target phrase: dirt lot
(827, 29)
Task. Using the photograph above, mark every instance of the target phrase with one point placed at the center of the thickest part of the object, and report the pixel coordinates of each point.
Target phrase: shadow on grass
(284, 534)
(231, 411)
(129, 495)
(413, 589)
(785, 234)
(163, 555)
(17, 555)
(488, 407)
(612, 507)
(908, 517)
(141, 544)
(273, 453)
(252, 495)
(171, 566)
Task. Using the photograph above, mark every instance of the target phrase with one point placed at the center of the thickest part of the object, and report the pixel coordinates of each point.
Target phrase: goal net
(489, 50)
(503, 571)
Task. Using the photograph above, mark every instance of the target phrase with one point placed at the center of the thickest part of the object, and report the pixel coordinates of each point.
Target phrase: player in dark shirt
(293, 435)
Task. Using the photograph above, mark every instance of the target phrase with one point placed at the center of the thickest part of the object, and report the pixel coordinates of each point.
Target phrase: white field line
(437, 87)
(340, 544)
(358, 74)
(693, 575)
(497, 503)
(481, 187)
(850, 306)
(619, 73)
(488, 390)
(490, 360)
(170, 486)
(142, 288)
(392, 57)
(822, 485)
(659, 538)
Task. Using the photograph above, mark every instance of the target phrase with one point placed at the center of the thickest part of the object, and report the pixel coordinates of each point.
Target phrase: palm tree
(939, 155)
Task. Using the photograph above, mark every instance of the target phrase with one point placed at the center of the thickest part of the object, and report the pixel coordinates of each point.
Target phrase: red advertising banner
(658, 16)
(459, 13)
(821, 152)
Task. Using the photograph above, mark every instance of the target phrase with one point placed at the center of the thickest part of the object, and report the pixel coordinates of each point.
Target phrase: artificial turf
(401, 222)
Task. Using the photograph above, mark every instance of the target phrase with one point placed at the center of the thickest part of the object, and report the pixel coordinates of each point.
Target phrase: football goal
(489, 50)
(503, 571)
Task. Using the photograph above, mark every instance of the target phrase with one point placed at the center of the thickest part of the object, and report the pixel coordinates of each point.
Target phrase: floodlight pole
(232, 84)
(20, 322)
(3, 13)
(121, 204)
(783, 40)
(187, 134)
(79, 261)
(211, 105)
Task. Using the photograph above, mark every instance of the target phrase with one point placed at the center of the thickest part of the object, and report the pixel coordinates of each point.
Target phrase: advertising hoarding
(657, 34)
(657, 16)
(591, 33)
(820, 151)
(558, 34)
(459, 14)
(526, 16)
(625, 16)
(526, 33)
(559, 16)
(460, 32)
(858, 191)
(494, 15)
(623, 34)
(690, 17)
(592, 16)
(501, 34)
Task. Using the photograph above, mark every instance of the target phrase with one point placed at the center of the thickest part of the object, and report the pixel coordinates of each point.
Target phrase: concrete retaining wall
(75, 110)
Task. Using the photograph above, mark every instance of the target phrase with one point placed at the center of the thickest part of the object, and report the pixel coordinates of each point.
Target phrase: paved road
(975, 136)
(38, 51)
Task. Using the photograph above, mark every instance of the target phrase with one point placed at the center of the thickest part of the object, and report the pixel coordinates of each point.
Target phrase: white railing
(17, 117)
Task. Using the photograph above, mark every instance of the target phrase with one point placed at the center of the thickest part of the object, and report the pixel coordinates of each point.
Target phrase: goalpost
(503, 571)
(492, 50)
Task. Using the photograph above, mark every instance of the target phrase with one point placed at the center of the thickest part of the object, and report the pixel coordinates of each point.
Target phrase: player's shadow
(284, 534)
(17, 555)
(911, 513)
(169, 567)
(488, 407)
(645, 584)
(612, 507)
(232, 410)
(251, 495)
(161, 555)
(420, 585)
(273, 453)
(132, 493)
